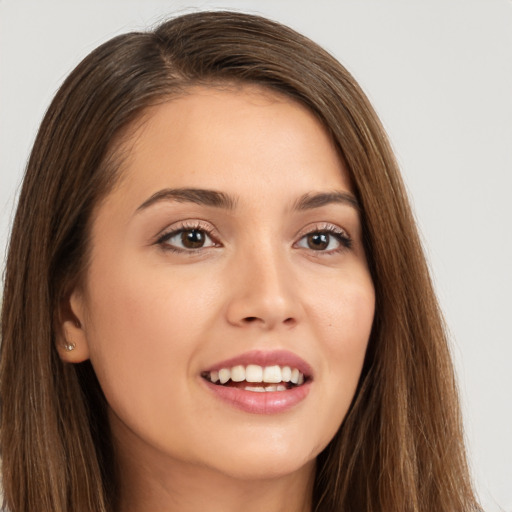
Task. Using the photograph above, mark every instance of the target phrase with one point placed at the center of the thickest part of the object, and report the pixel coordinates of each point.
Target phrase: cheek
(144, 306)
(344, 313)
(145, 327)
(341, 317)
(350, 340)
(344, 320)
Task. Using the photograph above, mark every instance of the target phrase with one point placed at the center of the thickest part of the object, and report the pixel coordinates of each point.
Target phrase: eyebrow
(191, 195)
(222, 200)
(316, 200)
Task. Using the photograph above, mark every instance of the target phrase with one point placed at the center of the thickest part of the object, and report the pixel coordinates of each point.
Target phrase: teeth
(238, 373)
(224, 375)
(254, 373)
(260, 389)
(272, 374)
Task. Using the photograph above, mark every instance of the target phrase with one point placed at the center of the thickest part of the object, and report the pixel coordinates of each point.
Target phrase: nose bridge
(263, 289)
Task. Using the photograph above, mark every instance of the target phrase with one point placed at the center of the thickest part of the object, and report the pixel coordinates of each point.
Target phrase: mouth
(260, 382)
(256, 378)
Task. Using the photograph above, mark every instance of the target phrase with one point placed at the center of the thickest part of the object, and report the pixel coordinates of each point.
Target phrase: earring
(70, 346)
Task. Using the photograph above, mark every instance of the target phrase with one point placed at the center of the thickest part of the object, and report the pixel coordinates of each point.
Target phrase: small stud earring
(69, 346)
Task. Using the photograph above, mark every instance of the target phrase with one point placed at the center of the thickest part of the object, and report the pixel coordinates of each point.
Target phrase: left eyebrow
(316, 200)
(191, 195)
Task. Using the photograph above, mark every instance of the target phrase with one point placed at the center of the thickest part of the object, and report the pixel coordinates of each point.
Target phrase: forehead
(227, 138)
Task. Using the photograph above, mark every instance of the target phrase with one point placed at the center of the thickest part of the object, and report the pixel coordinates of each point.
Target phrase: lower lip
(264, 402)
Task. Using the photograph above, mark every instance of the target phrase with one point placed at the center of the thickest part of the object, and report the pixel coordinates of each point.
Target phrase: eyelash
(163, 240)
(332, 231)
(320, 229)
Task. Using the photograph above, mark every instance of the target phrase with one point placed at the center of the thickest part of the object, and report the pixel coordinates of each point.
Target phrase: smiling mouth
(257, 378)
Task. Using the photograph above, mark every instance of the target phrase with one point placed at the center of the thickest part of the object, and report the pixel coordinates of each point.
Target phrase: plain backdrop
(439, 73)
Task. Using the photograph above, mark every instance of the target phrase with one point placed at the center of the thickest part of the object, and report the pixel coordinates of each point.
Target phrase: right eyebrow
(310, 201)
(191, 195)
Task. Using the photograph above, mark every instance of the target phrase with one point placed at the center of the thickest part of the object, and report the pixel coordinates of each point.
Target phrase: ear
(70, 335)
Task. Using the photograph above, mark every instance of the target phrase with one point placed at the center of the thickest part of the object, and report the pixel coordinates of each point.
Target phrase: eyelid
(342, 234)
(185, 225)
(322, 226)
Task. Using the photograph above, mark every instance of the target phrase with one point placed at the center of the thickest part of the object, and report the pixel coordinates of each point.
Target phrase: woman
(215, 294)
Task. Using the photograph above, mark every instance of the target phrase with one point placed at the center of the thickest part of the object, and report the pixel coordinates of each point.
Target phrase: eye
(329, 240)
(186, 239)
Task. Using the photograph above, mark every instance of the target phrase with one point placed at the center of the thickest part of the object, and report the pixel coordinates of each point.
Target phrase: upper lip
(265, 358)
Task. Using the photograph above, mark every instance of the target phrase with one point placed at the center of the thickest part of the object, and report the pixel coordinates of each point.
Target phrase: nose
(263, 292)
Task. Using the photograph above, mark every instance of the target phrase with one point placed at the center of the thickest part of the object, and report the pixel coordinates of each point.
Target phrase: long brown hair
(400, 447)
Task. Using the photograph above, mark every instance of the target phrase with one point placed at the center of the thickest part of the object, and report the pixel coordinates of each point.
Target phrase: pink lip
(266, 358)
(265, 402)
(268, 402)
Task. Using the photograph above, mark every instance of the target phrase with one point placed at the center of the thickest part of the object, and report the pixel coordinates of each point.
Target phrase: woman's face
(231, 252)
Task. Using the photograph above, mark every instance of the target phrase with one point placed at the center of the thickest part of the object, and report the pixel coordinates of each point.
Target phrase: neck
(201, 489)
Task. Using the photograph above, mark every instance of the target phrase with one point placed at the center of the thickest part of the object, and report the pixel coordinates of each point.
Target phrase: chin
(268, 468)
(274, 458)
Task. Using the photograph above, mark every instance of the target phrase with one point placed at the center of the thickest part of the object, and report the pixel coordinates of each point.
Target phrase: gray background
(439, 73)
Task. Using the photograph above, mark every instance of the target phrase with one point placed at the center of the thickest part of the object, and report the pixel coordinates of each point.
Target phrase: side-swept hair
(400, 447)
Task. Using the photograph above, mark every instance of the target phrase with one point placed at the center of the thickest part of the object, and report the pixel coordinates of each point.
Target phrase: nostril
(253, 319)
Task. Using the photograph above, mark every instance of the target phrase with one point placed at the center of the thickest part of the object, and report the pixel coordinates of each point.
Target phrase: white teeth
(259, 389)
(254, 373)
(254, 388)
(224, 375)
(272, 374)
(238, 373)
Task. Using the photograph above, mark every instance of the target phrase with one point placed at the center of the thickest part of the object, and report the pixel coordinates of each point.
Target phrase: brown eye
(193, 238)
(329, 240)
(318, 241)
(187, 239)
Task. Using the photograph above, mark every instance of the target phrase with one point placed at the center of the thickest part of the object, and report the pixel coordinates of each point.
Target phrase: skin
(151, 320)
